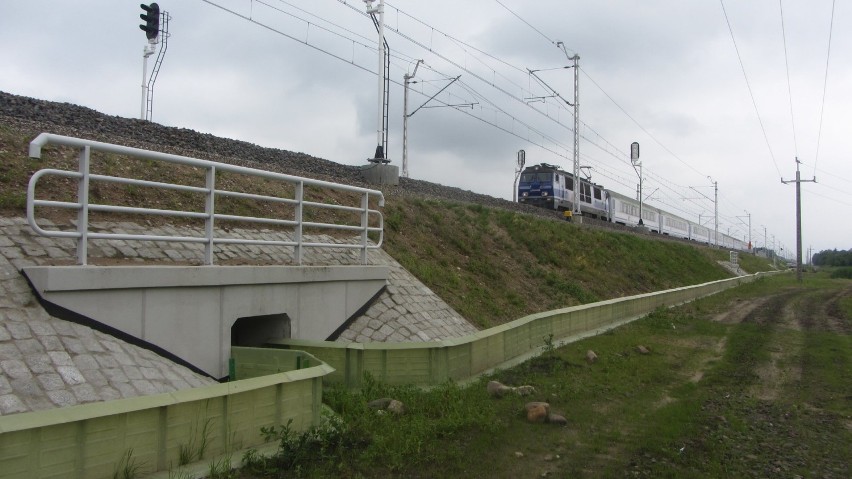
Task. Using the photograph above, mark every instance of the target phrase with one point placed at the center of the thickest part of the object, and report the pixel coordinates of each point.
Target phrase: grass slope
(491, 265)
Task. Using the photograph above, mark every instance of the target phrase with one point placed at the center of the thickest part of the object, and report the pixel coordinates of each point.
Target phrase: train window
(585, 192)
(569, 183)
(597, 193)
(541, 177)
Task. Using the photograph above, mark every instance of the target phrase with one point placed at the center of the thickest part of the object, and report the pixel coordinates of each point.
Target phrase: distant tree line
(833, 258)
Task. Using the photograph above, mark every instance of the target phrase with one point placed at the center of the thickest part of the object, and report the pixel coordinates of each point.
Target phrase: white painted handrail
(83, 207)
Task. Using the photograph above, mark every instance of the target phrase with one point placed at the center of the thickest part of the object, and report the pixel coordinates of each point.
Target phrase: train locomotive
(548, 186)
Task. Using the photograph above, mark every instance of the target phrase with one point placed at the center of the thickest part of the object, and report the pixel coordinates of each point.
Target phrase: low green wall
(467, 357)
(279, 385)
(89, 441)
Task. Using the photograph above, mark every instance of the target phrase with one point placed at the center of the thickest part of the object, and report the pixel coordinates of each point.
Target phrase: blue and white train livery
(548, 186)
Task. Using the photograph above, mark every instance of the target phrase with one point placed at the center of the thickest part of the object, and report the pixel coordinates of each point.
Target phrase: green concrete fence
(96, 440)
(467, 357)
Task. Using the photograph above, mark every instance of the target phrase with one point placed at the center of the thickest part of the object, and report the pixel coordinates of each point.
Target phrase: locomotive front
(536, 186)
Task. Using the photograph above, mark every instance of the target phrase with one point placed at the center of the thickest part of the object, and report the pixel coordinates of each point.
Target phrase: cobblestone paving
(46, 362)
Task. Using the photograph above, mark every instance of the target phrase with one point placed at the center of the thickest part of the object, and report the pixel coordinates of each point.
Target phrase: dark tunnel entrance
(255, 331)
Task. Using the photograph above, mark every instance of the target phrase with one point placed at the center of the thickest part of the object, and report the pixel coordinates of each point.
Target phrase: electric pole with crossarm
(798, 182)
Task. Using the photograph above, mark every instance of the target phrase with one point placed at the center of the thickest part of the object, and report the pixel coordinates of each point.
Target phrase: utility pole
(750, 247)
(407, 115)
(406, 80)
(798, 182)
(379, 11)
(577, 212)
(774, 254)
(716, 208)
(715, 201)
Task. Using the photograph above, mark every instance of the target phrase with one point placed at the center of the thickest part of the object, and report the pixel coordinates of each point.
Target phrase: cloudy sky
(665, 73)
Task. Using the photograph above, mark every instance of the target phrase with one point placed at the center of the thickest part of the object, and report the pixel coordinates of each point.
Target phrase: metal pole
(145, 54)
(716, 207)
(641, 222)
(577, 186)
(406, 78)
(774, 254)
(799, 181)
(798, 224)
(748, 237)
(381, 71)
(149, 50)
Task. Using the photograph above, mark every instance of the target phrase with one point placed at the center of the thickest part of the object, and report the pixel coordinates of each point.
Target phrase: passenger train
(548, 186)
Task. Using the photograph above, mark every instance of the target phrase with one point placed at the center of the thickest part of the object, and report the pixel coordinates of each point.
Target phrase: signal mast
(156, 28)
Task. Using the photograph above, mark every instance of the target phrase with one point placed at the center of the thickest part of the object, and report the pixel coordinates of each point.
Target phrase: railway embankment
(475, 259)
(491, 260)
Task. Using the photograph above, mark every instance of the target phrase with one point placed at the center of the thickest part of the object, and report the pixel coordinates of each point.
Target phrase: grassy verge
(703, 403)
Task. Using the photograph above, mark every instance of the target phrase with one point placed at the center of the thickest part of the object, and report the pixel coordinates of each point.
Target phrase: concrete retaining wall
(468, 356)
(189, 311)
(89, 441)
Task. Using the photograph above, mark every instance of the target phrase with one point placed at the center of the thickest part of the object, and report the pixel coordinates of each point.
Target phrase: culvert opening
(255, 331)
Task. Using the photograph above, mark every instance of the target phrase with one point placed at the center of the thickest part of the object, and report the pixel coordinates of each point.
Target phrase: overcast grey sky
(302, 76)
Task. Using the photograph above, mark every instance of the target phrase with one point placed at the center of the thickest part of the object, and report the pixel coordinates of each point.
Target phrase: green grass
(495, 266)
(630, 414)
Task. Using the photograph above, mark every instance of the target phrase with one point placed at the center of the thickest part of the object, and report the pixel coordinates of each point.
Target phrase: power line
(789, 91)
(515, 120)
(832, 175)
(640, 126)
(623, 110)
(275, 30)
(753, 102)
(526, 22)
(824, 85)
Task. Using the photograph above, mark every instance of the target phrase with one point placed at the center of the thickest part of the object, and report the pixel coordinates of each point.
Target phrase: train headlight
(543, 193)
(525, 193)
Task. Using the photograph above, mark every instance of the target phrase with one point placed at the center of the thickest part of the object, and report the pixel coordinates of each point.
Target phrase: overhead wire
(305, 42)
(559, 105)
(604, 171)
(789, 89)
(824, 86)
(526, 22)
(748, 85)
(664, 183)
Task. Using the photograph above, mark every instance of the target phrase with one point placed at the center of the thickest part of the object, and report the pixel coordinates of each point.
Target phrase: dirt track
(780, 404)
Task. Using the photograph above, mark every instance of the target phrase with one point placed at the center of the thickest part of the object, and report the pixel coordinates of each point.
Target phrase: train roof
(558, 169)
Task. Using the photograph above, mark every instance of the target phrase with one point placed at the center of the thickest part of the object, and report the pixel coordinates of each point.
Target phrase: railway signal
(152, 20)
(637, 165)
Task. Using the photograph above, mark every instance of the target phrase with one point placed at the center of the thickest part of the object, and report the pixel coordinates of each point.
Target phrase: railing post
(365, 223)
(210, 211)
(297, 232)
(83, 212)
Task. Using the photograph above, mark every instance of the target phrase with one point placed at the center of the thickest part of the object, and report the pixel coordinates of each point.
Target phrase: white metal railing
(83, 206)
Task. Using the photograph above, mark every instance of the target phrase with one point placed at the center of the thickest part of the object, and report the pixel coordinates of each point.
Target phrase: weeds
(630, 414)
(127, 467)
(221, 469)
(199, 440)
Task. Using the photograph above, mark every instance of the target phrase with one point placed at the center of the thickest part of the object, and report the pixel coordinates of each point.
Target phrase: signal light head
(152, 20)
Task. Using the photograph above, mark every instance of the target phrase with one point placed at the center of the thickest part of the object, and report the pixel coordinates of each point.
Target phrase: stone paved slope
(48, 362)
